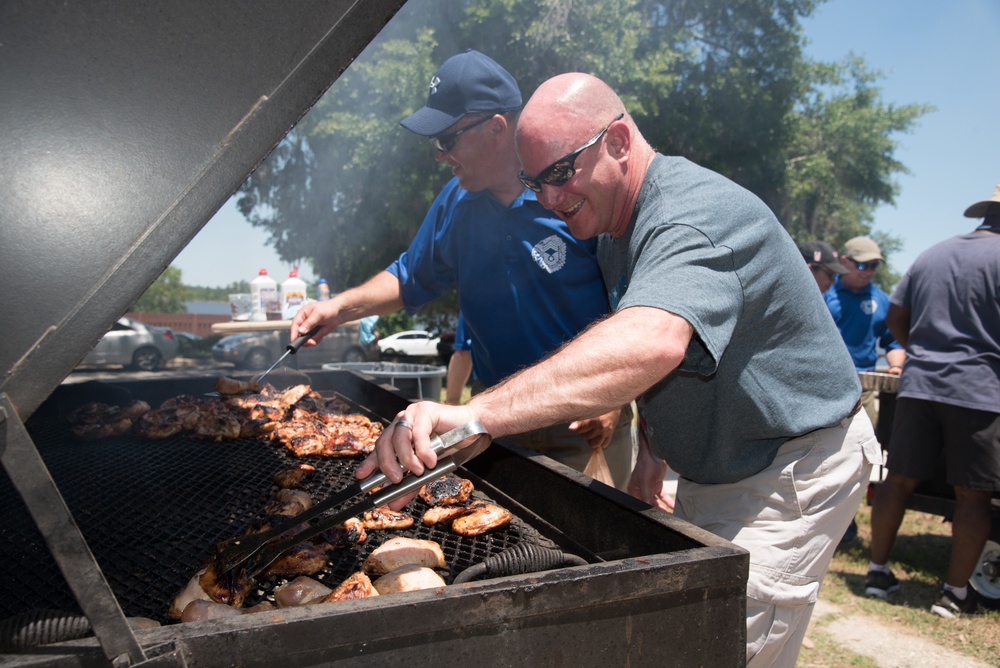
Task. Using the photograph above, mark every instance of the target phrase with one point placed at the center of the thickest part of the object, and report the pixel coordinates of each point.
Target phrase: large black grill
(152, 511)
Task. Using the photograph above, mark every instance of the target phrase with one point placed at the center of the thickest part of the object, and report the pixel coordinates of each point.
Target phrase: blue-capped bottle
(322, 290)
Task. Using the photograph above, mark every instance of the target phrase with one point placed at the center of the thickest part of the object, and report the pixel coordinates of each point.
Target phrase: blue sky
(945, 53)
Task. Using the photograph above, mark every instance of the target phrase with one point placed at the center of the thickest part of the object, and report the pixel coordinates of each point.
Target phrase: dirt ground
(887, 645)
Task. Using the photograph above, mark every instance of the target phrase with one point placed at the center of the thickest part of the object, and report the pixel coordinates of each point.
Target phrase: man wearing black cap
(946, 312)
(525, 283)
(823, 262)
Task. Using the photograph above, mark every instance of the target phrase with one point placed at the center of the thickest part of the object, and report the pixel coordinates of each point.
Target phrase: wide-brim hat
(467, 83)
(980, 209)
(862, 249)
(822, 253)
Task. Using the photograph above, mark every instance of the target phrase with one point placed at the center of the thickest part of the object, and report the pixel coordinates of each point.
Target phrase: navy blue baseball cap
(468, 83)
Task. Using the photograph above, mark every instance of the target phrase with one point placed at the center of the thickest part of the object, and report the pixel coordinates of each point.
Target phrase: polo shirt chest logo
(869, 306)
(550, 253)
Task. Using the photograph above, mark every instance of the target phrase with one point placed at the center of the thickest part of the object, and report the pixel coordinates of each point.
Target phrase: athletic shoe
(951, 607)
(880, 584)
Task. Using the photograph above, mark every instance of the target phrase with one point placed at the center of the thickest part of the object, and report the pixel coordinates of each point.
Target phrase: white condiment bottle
(293, 294)
(263, 296)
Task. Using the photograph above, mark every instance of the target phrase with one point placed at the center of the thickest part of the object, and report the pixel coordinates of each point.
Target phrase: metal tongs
(290, 349)
(264, 550)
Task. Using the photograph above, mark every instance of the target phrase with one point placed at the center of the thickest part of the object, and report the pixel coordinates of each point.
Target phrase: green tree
(167, 294)
(723, 83)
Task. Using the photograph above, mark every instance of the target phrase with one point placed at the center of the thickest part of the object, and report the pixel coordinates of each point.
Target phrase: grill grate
(152, 511)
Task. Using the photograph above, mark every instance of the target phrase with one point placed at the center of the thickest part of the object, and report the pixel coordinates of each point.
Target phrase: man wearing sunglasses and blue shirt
(742, 384)
(525, 284)
(859, 308)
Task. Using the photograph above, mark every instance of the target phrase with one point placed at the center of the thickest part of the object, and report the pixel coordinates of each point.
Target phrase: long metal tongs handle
(235, 552)
(408, 484)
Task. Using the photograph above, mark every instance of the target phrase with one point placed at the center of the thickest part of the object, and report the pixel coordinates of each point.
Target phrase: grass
(919, 560)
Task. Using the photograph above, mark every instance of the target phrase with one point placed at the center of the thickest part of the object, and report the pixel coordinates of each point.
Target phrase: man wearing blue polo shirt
(525, 284)
(859, 308)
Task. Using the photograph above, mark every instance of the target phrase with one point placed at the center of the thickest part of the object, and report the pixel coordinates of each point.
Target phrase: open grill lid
(125, 127)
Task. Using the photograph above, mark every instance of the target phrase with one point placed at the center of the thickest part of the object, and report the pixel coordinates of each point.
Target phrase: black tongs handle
(294, 346)
(234, 552)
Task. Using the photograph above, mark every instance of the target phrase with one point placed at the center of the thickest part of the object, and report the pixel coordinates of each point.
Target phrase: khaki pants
(790, 517)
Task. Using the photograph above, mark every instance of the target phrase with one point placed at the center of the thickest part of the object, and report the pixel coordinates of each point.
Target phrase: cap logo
(817, 256)
(434, 84)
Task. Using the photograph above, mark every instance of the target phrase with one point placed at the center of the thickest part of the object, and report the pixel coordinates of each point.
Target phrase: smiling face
(856, 279)
(579, 114)
(471, 153)
(582, 201)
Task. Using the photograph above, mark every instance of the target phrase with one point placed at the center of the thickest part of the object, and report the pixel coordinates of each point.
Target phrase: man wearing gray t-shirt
(946, 312)
(719, 333)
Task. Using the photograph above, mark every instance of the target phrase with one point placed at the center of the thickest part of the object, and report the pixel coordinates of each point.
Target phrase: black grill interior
(152, 512)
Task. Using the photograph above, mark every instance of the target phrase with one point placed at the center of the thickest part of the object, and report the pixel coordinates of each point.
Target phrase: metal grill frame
(650, 568)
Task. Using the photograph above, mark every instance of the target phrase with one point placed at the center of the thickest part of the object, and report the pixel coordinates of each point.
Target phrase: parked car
(257, 351)
(411, 342)
(135, 345)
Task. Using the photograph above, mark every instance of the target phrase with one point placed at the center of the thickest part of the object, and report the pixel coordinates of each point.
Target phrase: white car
(411, 342)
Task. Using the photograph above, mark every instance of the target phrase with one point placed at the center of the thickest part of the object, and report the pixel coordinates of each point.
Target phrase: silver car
(135, 345)
(256, 351)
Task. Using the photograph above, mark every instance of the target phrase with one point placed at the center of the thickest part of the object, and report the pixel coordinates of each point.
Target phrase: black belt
(856, 409)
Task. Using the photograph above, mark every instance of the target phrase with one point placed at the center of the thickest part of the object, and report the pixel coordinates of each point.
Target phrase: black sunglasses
(862, 266)
(562, 170)
(445, 143)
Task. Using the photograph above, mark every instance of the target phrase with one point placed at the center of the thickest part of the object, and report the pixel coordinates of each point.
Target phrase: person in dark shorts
(946, 312)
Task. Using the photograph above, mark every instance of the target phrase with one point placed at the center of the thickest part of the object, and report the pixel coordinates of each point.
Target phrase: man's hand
(646, 482)
(405, 445)
(312, 314)
(599, 430)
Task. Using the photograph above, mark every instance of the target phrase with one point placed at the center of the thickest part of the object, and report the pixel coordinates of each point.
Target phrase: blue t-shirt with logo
(860, 317)
(525, 284)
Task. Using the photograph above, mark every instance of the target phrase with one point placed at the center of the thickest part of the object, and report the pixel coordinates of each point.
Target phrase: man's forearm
(605, 367)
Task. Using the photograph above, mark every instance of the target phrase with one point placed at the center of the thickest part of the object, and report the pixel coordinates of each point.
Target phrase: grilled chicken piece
(217, 427)
(159, 424)
(303, 590)
(447, 491)
(257, 428)
(93, 412)
(346, 445)
(230, 587)
(199, 610)
(226, 385)
(350, 533)
(401, 551)
(289, 502)
(291, 396)
(289, 478)
(134, 409)
(355, 586)
(93, 421)
(269, 411)
(192, 591)
(180, 401)
(301, 438)
(437, 514)
(385, 518)
(408, 578)
(301, 559)
(92, 432)
(481, 517)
